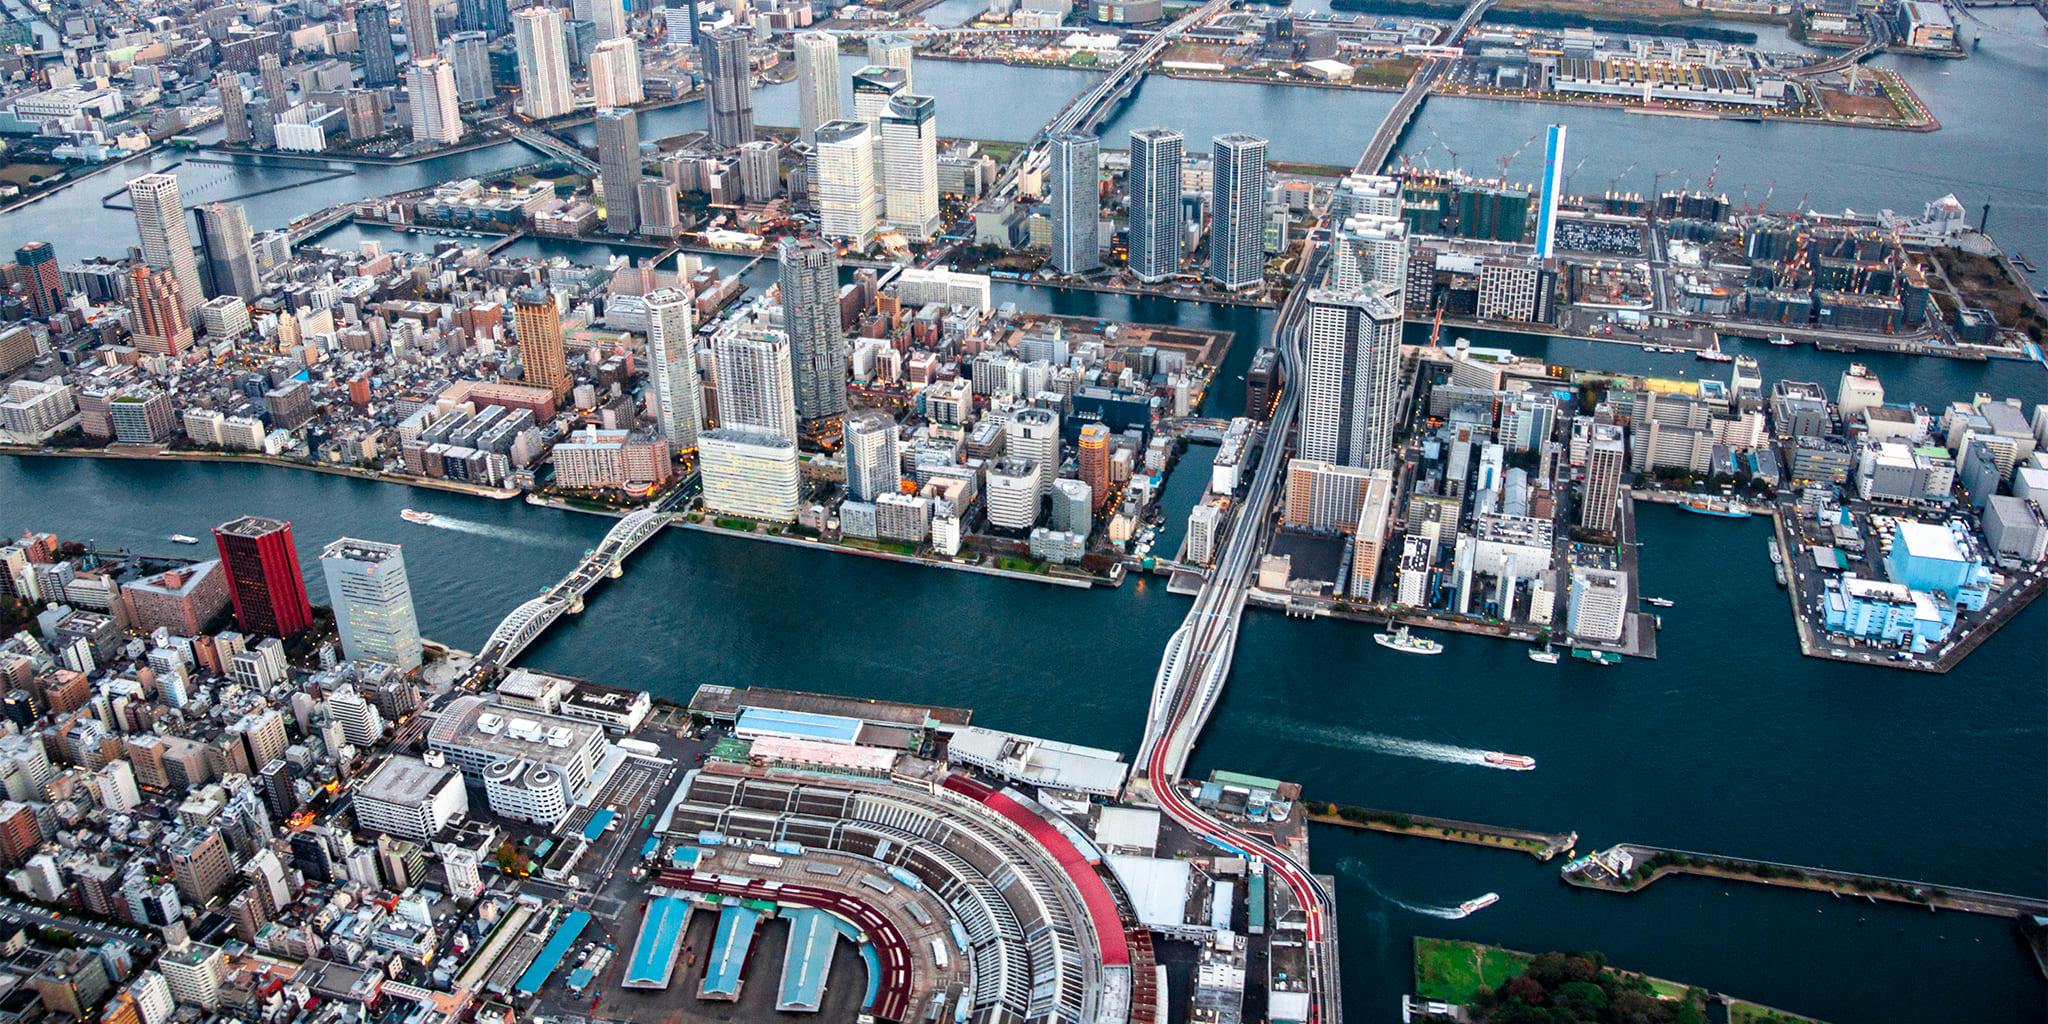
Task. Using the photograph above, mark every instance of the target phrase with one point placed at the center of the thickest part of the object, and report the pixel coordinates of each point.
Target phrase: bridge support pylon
(575, 605)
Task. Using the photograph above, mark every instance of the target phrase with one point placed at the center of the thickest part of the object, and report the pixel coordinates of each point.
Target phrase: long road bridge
(1197, 659)
(1396, 123)
(606, 561)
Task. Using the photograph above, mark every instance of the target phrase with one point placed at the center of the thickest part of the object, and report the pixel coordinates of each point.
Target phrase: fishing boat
(183, 538)
(1782, 342)
(1407, 643)
(1544, 655)
(1661, 602)
(1511, 762)
(1597, 657)
(1713, 354)
(412, 515)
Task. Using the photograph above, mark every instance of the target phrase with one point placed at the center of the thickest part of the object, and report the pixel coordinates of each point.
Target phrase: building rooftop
(252, 526)
(1930, 540)
(404, 780)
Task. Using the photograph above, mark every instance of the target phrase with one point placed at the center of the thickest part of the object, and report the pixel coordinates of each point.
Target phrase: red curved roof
(1109, 925)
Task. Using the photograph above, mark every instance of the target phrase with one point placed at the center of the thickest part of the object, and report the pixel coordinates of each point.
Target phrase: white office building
(408, 798)
(756, 387)
(749, 473)
(372, 601)
(1034, 435)
(436, 106)
(615, 73)
(166, 237)
(843, 181)
(1011, 493)
(910, 166)
(817, 78)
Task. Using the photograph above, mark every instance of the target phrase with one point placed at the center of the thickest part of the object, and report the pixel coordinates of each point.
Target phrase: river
(1730, 742)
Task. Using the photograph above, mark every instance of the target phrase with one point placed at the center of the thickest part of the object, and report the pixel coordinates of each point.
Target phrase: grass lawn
(1740, 1012)
(20, 173)
(1451, 971)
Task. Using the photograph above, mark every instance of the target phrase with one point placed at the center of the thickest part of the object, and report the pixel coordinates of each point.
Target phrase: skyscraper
(615, 73)
(372, 602)
(891, 51)
(487, 16)
(755, 391)
(373, 37)
(843, 182)
(543, 63)
(41, 280)
(263, 576)
(722, 59)
(1076, 202)
(1034, 434)
(224, 230)
(234, 107)
(470, 52)
(873, 87)
(1369, 249)
(271, 70)
(431, 91)
(166, 240)
(873, 464)
(1553, 186)
(1351, 385)
(538, 326)
(1154, 187)
(609, 18)
(1093, 447)
(1237, 232)
(672, 353)
(910, 166)
(618, 160)
(809, 280)
(1606, 456)
(817, 81)
(422, 37)
(157, 321)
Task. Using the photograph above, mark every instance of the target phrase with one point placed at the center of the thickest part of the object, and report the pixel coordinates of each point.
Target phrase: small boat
(411, 515)
(1783, 342)
(1713, 354)
(1661, 602)
(1511, 762)
(1721, 509)
(1777, 553)
(183, 538)
(1407, 643)
(1597, 657)
(1544, 655)
(1477, 904)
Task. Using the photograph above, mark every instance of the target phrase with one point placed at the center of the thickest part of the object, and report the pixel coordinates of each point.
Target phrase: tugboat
(1407, 643)
(1782, 342)
(183, 538)
(415, 516)
(1511, 762)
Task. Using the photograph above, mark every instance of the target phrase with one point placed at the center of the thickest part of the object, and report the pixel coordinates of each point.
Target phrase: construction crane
(1439, 141)
(1715, 172)
(1510, 158)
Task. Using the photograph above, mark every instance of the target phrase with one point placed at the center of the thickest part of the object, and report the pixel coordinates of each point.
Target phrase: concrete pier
(1628, 867)
(1540, 845)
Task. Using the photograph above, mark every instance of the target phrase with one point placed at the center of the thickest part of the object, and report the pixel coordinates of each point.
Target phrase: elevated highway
(1196, 662)
(1880, 36)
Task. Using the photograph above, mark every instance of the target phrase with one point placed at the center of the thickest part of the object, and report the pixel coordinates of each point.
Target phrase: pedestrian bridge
(608, 560)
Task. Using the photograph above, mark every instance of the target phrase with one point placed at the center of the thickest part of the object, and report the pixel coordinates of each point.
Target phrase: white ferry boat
(1407, 643)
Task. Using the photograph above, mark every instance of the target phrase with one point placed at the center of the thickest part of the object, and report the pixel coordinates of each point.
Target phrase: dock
(1630, 867)
(1540, 845)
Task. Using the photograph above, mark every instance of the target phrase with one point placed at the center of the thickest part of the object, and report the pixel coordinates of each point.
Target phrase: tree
(1582, 998)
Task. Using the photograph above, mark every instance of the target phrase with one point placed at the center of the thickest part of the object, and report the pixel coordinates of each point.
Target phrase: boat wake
(442, 521)
(1356, 868)
(1356, 739)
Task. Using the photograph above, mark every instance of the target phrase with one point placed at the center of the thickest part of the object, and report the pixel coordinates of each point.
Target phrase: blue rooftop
(801, 724)
(654, 952)
(735, 936)
(807, 962)
(551, 955)
(598, 823)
